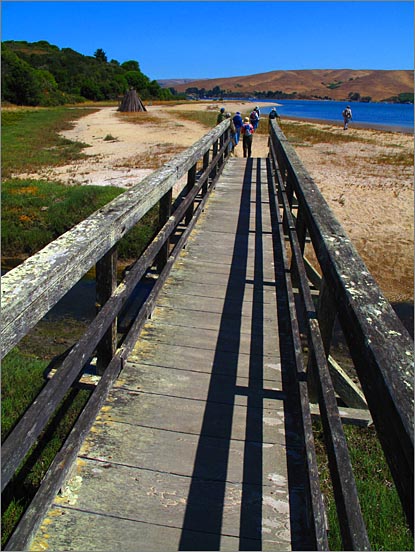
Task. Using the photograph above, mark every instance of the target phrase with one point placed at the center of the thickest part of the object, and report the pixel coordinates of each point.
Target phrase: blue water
(393, 115)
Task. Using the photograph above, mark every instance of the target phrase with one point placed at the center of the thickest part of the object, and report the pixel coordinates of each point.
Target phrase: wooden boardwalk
(197, 446)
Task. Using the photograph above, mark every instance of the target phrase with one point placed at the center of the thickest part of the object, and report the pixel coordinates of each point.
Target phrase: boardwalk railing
(381, 348)
(33, 288)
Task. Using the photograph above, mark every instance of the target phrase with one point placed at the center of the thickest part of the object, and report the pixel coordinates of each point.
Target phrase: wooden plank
(345, 387)
(231, 388)
(353, 416)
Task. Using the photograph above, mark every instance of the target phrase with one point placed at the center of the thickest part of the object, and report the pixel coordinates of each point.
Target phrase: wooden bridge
(198, 434)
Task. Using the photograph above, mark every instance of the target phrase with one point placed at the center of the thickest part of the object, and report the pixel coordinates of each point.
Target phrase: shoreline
(352, 124)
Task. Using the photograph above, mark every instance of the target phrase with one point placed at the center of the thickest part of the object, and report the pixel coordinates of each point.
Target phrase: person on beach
(247, 132)
(221, 115)
(238, 122)
(254, 117)
(347, 116)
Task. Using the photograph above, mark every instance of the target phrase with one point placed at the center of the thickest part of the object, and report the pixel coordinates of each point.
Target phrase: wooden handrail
(380, 346)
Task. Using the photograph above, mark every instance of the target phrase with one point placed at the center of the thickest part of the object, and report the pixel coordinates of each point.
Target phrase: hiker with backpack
(347, 116)
(254, 117)
(247, 132)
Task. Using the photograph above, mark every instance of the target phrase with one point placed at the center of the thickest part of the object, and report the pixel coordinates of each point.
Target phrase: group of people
(245, 126)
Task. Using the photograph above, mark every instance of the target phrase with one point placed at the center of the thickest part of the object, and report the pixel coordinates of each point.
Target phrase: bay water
(372, 115)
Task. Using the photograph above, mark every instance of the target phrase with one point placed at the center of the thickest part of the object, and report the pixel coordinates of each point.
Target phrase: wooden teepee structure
(131, 102)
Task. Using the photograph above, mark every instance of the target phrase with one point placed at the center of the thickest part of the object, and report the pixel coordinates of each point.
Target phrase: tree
(20, 84)
(100, 55)
(137, 80)
(130, 65)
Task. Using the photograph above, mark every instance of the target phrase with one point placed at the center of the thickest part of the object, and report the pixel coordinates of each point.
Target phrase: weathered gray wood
(317, 514)
(379, 344)
(352, 526)
(353, 416)
(345, 387)
(30, 290)
(131, 102)
(191, 181)
(106, 283)
(62, 463)
(164, 214)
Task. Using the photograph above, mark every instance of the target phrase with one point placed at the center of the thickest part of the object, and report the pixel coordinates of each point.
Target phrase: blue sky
(223, 39)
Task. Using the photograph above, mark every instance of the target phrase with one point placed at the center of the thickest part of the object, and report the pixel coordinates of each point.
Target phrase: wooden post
(222, 157)
(164, 214)
(191, 180)
(106, 282)
(214, 153)
(326, 316)
(205, 166)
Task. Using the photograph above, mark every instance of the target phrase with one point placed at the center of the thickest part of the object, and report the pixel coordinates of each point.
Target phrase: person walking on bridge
(238, 122)
(254, 117)
(247, 132)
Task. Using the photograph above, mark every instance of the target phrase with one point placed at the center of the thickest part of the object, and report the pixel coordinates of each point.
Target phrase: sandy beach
(368, 183)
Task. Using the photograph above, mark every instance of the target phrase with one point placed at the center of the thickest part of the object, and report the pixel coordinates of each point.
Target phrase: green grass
(22, 371)
(206, 118)
(30, 138)
(34, 213)
(381, 508)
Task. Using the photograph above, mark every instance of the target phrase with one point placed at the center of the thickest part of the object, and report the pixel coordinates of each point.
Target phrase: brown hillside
(335, 84)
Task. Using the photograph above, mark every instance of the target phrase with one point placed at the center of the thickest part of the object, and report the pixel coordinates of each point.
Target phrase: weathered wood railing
(381, 348)
(33, 288)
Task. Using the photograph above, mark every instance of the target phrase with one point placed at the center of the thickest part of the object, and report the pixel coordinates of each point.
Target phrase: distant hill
(335, 84)
(173, 83)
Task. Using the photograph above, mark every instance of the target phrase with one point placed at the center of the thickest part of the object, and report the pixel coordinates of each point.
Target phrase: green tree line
(41, 74)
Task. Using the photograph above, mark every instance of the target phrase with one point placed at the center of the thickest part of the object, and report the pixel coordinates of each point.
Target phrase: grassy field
(36, 212)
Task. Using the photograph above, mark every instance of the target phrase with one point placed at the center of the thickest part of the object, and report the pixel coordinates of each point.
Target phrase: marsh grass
(205, 118)
(30, 138)
(36, 212)
(25, 372)
(396, 159)
(381, 508)
(300, 133)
